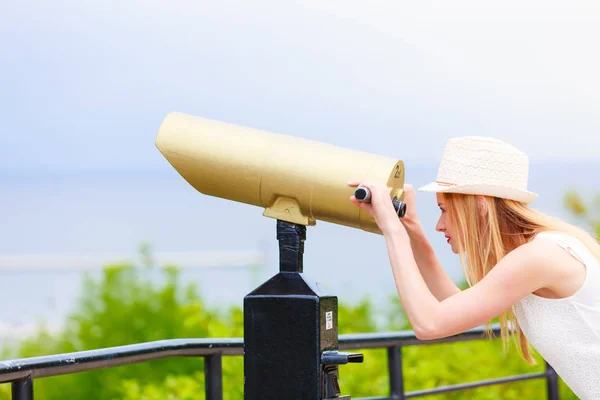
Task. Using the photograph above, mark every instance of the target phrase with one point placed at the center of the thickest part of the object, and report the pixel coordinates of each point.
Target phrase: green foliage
(124, 306)
(588, 213)
(172, 388)
(132, 304)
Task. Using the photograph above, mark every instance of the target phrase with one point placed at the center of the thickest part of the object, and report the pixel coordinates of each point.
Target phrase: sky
(85, 85)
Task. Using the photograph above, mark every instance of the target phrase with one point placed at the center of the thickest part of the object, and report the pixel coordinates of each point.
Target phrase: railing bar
(376, 398)
(405, 338)
(22, 389)
(44, 366)
(30, 368)
(115, 356)
(395, 372)
(551, 383)
(213, 377)
(471, 385)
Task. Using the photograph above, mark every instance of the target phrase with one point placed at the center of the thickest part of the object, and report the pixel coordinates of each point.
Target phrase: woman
(537, 273)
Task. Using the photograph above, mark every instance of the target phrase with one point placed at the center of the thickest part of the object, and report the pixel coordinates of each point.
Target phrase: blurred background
(85, 86)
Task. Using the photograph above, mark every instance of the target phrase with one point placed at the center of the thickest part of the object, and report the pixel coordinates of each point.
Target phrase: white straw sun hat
(484, 166)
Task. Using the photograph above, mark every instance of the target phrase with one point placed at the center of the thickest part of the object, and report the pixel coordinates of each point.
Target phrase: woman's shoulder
(564, 241)
(556, 254)
(549, 250)
(541, 241)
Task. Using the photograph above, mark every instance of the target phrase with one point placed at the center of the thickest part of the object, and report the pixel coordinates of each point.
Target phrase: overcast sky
(86, 84)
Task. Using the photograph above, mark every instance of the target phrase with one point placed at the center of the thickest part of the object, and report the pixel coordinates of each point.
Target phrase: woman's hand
(410, 216)
(380, 207)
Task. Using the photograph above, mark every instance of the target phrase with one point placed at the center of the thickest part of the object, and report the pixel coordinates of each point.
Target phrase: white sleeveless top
(566, 331)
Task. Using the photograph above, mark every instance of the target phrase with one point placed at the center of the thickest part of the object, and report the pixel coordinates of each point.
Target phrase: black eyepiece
(362, 194)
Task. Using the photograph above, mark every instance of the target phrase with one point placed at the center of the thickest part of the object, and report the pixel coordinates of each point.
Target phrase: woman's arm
(436, 278)
(518, 274)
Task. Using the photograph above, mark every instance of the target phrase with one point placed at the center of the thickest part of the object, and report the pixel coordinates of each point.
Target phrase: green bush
(125, 306)
(587, 213)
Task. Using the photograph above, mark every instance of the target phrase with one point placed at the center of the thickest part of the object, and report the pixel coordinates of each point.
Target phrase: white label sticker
(329, 320)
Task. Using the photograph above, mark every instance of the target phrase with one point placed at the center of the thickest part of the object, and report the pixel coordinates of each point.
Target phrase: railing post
(395, 370)
(22, 389)
(551, 382)
(213, 377)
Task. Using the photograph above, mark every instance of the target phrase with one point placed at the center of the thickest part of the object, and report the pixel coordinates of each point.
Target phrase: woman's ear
(482, 206)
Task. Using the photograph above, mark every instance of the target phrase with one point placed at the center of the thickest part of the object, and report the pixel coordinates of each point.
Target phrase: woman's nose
(440, 226)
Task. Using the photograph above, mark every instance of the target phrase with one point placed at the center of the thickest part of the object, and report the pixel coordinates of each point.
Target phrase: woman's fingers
(362, 182)
(378, 191)
(365, 206)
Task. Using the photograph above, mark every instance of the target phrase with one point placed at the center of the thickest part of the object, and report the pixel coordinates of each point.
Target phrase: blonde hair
(507, 225)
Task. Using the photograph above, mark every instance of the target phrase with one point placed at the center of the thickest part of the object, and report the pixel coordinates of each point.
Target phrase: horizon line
(420, 162)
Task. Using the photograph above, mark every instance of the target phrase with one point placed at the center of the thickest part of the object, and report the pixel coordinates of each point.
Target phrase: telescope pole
(291, 331)
(291, 239)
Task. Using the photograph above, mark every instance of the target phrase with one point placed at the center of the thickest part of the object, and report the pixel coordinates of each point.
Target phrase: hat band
(445, 183)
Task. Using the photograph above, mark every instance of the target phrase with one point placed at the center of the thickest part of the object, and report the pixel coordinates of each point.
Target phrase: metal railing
(22, 372)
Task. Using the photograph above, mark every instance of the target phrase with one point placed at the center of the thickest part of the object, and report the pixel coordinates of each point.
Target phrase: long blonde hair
(487, 237)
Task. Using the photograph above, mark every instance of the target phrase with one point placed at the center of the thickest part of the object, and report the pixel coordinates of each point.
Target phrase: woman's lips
(447, 239)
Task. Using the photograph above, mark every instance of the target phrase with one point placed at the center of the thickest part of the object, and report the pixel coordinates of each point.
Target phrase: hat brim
(480, 189)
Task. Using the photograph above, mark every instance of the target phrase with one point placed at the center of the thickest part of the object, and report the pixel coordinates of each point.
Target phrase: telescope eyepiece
(399, 206)
(363, 194)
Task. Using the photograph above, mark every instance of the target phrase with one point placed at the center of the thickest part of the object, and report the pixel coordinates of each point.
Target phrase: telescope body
(294, 179)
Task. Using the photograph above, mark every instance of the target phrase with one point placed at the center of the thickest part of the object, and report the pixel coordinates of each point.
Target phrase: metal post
(291, 239)
(281, 321)
(213, 377)
(551, 382)
(22, 389)
(290, 331)
(395, 370)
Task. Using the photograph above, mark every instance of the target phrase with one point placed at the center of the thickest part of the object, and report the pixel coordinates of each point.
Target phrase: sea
(107, 212)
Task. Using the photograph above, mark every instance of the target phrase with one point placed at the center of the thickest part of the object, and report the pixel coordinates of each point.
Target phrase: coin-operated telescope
(290, 323)
(293, 179)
